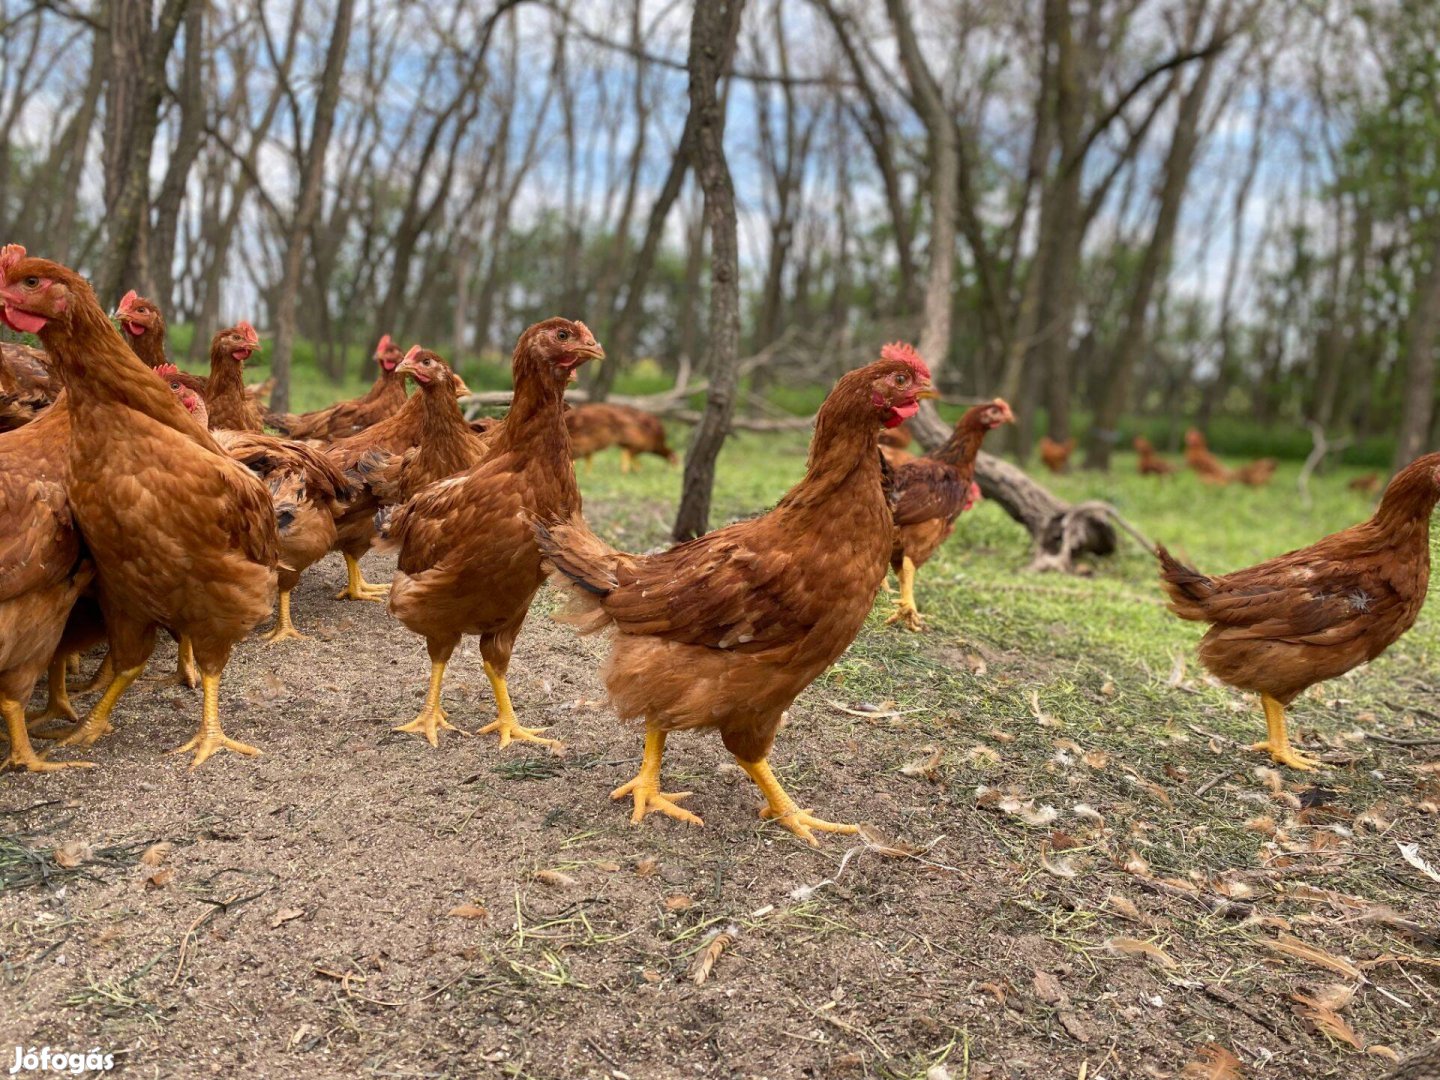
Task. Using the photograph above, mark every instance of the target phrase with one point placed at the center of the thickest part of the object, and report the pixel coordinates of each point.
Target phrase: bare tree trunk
(712, 35)
(1424, 322)
(307, 204)
(187, 146)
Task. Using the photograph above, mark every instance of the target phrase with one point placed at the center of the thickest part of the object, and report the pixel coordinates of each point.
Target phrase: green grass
(977, 592)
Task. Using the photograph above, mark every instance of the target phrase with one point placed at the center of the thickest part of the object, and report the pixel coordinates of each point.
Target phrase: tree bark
(712, 35)
(307, 204)
(1424, 321)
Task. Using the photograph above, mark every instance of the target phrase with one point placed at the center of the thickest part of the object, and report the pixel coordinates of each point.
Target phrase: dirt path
(304, 921)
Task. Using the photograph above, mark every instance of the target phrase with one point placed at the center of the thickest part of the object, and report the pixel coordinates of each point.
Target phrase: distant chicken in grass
(1366, 484)
(929, 493)
(346, 418)
(1151, 463)
(1056, 455)
(1256, 473)
(726, 630)
(469, 562)
(181, 535)
(604, 424)
(1281, 627)
(1202, 462)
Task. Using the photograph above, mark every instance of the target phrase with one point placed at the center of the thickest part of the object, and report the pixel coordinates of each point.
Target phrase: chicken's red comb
(10, 257)
(247, 331)
(412, 354)
(166, 370)
(904, 351)
(386, 343)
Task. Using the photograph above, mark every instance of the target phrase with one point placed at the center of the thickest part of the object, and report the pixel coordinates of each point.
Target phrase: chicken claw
(211, 738)
(433, 716)
(646, 786)
(22, 755)
(57, 701)
(506, 725)
(907, 617)
(1287, 755)
(186, 673)
(782, 808)
(357, 588)
(97, 722)
(284, 629)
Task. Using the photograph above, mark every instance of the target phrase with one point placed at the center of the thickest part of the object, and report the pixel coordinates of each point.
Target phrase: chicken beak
(927, 393)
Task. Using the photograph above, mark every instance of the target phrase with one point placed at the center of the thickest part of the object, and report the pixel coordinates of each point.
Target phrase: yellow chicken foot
(356, 587)
(284, 629)
(22, 755)
(646, 785)
(72, 664)
(101, 679)
(97, 721)
(186, 673)
(782, 808)
(906, 613)
(1277, 741)
(507, 726)
(627, 461)
(57, 697)
(433, 716)
(210, 738)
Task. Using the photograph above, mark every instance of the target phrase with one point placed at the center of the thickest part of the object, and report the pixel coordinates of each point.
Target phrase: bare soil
(305, 921)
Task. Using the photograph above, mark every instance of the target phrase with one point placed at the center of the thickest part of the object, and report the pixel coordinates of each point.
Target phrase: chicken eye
(31, 282)
(562, 334)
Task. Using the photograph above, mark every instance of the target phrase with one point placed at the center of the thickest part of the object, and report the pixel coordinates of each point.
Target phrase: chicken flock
(135, 498)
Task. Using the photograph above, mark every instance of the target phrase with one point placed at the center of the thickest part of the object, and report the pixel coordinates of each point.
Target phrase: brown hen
(346, 418)
(181, 535)
(1281, 627)
(469, 563)
(726, 630)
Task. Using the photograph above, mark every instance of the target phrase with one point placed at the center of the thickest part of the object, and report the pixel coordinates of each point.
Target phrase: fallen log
(1061, 532)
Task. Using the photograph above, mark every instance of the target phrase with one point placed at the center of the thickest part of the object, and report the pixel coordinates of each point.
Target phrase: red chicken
(1256, 473)
(447, 444)
(226, 400)
(1151, 463)
(1056, 455)
(726, 630)
(1205, 464)
(42, 564)
(1366, 484)
(181, 535)
(604, 424)
(469, 563)
(1281, 627)
(347, 418)
(929, 493)
(27, 385)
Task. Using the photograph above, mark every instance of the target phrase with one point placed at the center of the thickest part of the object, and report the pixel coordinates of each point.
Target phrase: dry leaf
(1271, 778)
(1124, 907)
(1074, 1025)
(468, 911)
(646, 866)
(1327, 1021)
(1096, 759)
(1411, 854)
(1335, 996)
(1048, 989)
(705, 959)
(160, 878)
(1108, 687)
(982, 756)
(155, 854)
(1042, 718)
(608, 867)
(1383, 1051)
(1136, 864)
(284, 915)
(1213, 1062)
(1294, 947)
(554, 878)
(927, 768)
(678, 902)
(71, 854)
(894, 849)
(1126, 946)
(1264, 825)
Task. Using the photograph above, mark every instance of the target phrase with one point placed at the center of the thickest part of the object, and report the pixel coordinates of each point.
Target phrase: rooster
(929, 493)
(1301, 618)
(726, 630)
(181, 535)
(1056, 455)
(469, 563)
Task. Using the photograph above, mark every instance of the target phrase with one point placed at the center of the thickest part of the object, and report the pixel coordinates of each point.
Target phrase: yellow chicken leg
(356, 587)
(284, 629)
(186, 673)
(782, 808)
(22, 755)
(211, 738)
(646, 785)
(906, 613)
(97, 722)
(433, 716)
(505, 724)
(101, 679)
(1277, 741)
(57, 696)
(627, 460)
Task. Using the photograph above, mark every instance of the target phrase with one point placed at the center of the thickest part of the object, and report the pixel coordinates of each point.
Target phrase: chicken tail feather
(1188, 588)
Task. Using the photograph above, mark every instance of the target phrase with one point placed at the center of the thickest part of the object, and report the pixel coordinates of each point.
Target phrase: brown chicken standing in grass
(1204, 464)
(343, 419)
(929, 493)
(181, 535)
(1281, 627)
(42, 566)
(1056, 455)
(726, 630)
(1151, 463)
(469, 562)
